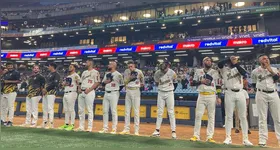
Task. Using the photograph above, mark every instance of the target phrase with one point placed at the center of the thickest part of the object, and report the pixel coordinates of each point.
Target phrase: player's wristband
(275, 77)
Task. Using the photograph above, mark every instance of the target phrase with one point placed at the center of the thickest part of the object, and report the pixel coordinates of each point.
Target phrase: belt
(267, 91)
(111, 91)
(70, 91)
(234, 90)
(133, 88)
(207, 93)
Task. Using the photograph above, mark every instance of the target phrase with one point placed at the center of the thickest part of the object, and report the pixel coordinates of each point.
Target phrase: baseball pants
(86, 101)
(7, 106)
(238, 100)
(69, 100)
(208, 102)
(110, 101)
(32, 109)
(132, 99)
(48, 108)
(168, 98)
(265, 101)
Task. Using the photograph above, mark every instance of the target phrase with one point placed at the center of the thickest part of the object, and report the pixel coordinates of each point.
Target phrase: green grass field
(16, 137)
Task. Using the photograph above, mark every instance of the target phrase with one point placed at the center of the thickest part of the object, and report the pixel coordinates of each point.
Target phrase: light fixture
(163, 25)
(77, 32)
(147, 26)
(41, 36)
(2, 39)
(198, 21)
(30, 37)
(261, 15)
(16, 38)
(131, 28)
(163, 55)
(178, 10)
(218, 19)
(207, 53)
(215, 58)
(75, 22)
(275, 49)
(205, 50)
(176, 52)
(228, 52)
(181, 22)
(103, 30)
(238, 17)
(206, 8)
(65, 34)
(227, 49)
(117, 29)
(127, 57)
(239, 4)
(146, 55)
(97, 21)
(276, 46)
(161, 52)
(246, 48)
(52, 35)
(243, 51)
(180, 55)
(147, 15)
(123, 18)
(89, 31)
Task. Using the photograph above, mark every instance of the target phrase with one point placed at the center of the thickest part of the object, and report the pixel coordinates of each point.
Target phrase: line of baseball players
(207, 79)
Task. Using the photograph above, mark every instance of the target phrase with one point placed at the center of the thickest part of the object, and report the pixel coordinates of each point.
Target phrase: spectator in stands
(230, 6)
(186, 11)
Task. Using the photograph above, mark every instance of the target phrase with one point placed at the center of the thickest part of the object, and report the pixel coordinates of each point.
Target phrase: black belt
(111, 91)
(234, 90)
(69, 91)
(267, 91)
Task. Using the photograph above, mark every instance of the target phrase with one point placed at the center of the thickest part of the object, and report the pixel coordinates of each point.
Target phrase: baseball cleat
(237, 131)
(173, 135)
(262, 145)
(70, 128)
(9, 124)
(33, 125)
(63, 127)
(194, 139)
(89, 130)
(124, 132)
(227, 141)
(136, 133)
(249, 132)
(155, 134)
(113, 132)
(103, 131)
(78, 129)
(25, 125)
(43, 125)
(247, 143)
(210, 140)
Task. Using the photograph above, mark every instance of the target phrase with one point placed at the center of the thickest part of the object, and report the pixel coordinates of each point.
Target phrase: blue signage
(126, 49)
(28, 55)
(160, 47)
(3, 55)
(214, 43)
(266, 40)
(4, 23)
(58, 53)
(89, 51)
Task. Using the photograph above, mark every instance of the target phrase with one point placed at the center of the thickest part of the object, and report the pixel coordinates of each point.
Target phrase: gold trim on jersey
(10, 88)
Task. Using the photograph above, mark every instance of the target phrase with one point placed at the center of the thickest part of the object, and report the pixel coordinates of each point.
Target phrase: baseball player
(9, 93)
(134, 80)
(113, 82)
(166, 80)
(209, 95)
(264, 79)
(52, 85)
(70, 84)
(90, 80)
(232, 75)
(36, 83)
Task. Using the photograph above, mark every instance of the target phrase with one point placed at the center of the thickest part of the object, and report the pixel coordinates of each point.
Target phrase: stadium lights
(89, 31)
(107, 55)
(276, 46)
(103, 30)
(180, 55)
(206, 50)
(77, 32)
(243, 51)
(274, 55)
(131, 28)
(228, 52)
(147, 26)
(198, 21)
(68, 60)
(163, 28)
(117, 29)
(96, 58)
(92, 56)
(147, 15)
(65, 34)
(122, 54)
(215, 58)
(178, 10)
(16, 38)
(206, 8)
(52, 35)
(71, 57)
(113, 58)
(176, 52)
(97, 21)
(163, 55)
(51, 58)
(161, 52)
(128, 57)
(239, 4)
(123, 18)
(78, 60)
(61, 58)
(41, 36)
(181, 23)
(261, 15)
(208, 53)
(58, 61)
(163, 24)
(275, 49)
(238, 17)
(218, 19)
(227, 49)
(194, 25)
(146, 55)
(242, 48)
(30, 37)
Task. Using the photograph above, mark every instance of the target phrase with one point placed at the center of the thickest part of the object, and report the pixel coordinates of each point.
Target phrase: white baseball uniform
(69, 98)
(266, 97)
(88, 79)
(206, 99)
(165, 95)
(132, 98)
(111, 98)
(237, 121)
(234, 97)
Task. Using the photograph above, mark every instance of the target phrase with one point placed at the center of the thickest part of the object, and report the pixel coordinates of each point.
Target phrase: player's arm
(97, 81)
(142, 78)
(157, 77)
(175, 80)
(55, 83)
(196, 81)
(121, 81)
(103, 80)
(274, 73)
(254, 79)
(222, 63)
(240, 69)
(126, 77)
(16, 78)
